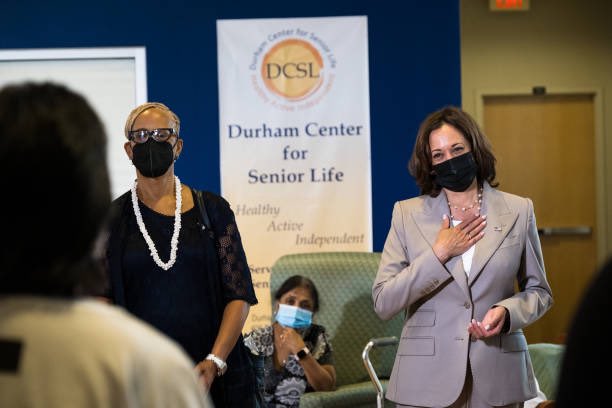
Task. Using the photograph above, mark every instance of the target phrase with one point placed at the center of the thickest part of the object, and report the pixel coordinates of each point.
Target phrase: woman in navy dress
(176, 259)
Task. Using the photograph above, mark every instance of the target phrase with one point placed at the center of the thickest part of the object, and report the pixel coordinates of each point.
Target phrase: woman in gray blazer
(451, 262)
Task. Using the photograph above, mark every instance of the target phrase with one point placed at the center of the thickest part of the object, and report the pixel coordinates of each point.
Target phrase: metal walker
(365, 356)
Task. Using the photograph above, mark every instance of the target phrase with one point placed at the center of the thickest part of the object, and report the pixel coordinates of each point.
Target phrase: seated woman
(297, 354)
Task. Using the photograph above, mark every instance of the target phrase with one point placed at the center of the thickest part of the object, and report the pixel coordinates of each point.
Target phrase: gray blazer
(439, 301)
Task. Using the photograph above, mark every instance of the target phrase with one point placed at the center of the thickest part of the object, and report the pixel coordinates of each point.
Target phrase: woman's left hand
(491, 325)
(234, 316)
(320, 377)
(206, 371)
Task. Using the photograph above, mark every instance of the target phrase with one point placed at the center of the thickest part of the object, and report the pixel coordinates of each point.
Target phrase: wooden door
(545, 151)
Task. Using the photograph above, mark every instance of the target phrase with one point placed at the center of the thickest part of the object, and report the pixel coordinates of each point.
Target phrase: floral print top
(283, 389)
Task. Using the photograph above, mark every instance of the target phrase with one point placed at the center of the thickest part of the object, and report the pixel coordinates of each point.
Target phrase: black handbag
(232, 384)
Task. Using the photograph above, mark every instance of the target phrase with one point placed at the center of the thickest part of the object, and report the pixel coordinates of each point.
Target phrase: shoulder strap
(114, 248)
(200, 202)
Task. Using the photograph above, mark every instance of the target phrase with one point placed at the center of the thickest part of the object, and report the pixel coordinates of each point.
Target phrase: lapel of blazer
(429, 220)
(500, 220)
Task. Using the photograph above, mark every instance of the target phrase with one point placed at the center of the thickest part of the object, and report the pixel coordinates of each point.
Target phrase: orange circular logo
(292, 69)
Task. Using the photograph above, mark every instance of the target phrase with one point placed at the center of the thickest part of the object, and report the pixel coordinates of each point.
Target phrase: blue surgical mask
(293, 316)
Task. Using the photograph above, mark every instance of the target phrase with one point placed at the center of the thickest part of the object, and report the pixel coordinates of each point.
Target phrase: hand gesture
(491, 324)
(453, 241)
(291, 340)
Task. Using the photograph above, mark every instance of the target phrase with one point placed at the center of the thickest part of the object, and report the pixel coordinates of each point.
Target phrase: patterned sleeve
(237, 283)
(321, 349)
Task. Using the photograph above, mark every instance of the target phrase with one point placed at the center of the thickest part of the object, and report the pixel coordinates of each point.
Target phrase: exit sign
(509, 5)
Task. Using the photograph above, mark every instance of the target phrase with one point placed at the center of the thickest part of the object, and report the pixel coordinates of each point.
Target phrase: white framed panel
(113, 80)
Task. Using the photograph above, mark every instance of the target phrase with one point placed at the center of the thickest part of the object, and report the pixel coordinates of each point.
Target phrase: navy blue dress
(173, 301)
(185, 302)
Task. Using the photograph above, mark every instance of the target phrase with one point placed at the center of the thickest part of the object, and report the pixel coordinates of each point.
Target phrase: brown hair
(420, 166)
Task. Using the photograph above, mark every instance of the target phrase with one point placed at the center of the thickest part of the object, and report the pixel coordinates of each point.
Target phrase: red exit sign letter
(509, 5)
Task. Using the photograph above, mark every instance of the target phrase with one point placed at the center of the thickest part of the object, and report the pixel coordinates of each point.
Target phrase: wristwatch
(302, 353)
(221, 365)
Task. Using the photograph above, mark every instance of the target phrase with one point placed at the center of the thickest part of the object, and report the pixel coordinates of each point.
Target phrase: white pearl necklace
(177, 227)
(477, 201)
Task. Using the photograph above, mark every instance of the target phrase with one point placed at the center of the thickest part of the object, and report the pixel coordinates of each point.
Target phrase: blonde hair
(151, 105)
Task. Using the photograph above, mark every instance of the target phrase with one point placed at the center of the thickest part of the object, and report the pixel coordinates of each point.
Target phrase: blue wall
(414, 68)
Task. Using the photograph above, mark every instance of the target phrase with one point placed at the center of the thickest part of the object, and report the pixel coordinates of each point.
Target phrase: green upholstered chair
(344, 281)
(547, 359)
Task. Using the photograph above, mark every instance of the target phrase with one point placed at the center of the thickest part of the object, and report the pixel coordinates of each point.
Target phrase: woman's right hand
(291, 339)
(453, 241)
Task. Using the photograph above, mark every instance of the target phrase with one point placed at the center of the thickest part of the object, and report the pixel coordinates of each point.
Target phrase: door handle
(577, 230)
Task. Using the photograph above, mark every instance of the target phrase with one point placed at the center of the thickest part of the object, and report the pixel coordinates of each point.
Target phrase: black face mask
(456, 174)
(152, 158)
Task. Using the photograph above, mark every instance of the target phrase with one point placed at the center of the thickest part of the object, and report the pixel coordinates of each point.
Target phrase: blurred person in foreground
(582, 381)
(59, 346)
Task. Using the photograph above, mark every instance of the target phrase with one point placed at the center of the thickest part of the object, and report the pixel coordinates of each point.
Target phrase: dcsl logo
(292, 69)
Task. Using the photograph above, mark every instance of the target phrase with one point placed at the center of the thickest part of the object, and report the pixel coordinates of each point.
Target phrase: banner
(294, 122)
